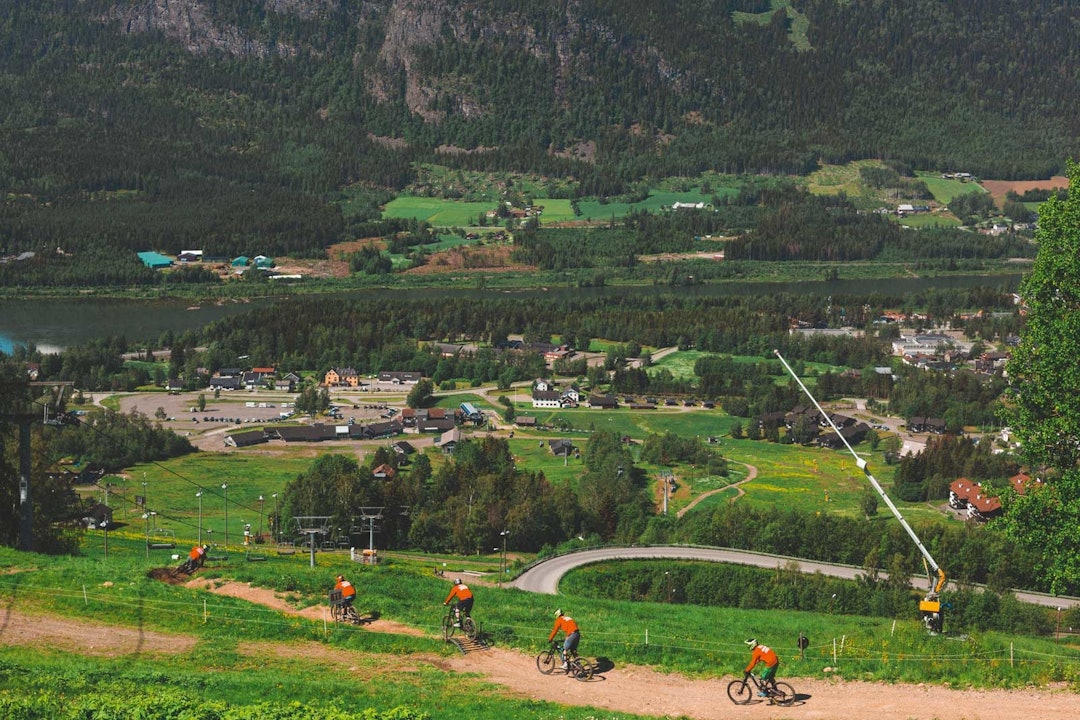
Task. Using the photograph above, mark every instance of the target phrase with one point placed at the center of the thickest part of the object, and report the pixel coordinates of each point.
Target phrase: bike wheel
(739, 691)
(545, 662)
(447, 627)
(335, 613)
(583, 669)
(783, 694)
(468, 626)
(351, 615)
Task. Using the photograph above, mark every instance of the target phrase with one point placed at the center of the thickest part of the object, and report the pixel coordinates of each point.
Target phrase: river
(53, 324)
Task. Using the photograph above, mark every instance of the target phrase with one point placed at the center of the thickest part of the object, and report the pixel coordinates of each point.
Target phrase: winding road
(544, 577)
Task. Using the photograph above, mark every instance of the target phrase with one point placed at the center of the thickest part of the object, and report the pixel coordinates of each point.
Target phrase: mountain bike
(454, 620)
(742, 691)
(577, 666)
(342, 612)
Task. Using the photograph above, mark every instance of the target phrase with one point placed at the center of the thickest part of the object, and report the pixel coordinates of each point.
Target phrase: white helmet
(457, 581)
(751, 643)
(558, 613)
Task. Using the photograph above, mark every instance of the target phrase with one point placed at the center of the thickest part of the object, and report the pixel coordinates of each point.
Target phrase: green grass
(945, 189)
(402, 588)
(595, 210)
(438, 212)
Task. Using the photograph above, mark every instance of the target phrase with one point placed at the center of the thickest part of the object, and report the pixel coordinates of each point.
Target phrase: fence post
(834, 651)
(205, 614)
(646, 637)
(85, 601)
(1011, 655)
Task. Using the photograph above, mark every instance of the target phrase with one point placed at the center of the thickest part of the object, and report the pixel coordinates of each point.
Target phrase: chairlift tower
(312, 525)
(369, 517)
(52, 413)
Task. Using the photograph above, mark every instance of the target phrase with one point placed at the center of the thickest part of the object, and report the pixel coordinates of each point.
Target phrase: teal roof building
(155, 261)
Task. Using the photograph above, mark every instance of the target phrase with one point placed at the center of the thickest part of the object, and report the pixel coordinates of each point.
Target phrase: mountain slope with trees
(234, 125)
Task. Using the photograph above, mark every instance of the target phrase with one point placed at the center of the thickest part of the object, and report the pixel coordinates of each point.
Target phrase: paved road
(544, 577)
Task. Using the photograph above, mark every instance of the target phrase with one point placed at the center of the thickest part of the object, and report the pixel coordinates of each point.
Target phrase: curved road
(544, 577)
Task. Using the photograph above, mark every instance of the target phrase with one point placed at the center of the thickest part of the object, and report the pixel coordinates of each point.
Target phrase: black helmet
(340, 577)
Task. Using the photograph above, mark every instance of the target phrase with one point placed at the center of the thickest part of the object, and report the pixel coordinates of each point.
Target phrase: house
(571, 396)
(384, 472)
(335, 377)
(403, 448)
(380, 430)
(449, 440)
(287, 382)
(924, 424)
(398, 377)
(561, 447)
(246, 438)
(604, 402)
(98, 517)
(547, 399)
(525, 421)
(241, 261)
(435, 425)
(225, 383)
(449, 350)
(230, 372)
(969, 496)
(543, 385)
(189, 256)
(853, 434)
(174, 385)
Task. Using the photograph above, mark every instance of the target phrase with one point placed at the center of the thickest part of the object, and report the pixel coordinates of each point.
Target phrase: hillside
(237, 127)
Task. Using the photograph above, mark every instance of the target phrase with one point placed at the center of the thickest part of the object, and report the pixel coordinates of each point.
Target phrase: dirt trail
(626, 689)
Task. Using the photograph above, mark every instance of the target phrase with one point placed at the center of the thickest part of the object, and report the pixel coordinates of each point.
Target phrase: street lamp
(260, 515)
(502, 562)
(225, 488)
(199, 495)
(277, 517)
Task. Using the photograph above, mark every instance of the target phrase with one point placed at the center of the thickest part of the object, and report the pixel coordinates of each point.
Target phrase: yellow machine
(930, 608)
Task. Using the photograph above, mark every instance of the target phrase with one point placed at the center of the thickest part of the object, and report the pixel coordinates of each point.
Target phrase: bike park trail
(638, 690)
(544, 576)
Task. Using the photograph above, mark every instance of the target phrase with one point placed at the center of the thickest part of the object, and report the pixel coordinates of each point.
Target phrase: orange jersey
(196, 552)
(346, 588)
(565, 623)
(460, 591)
(762, 653)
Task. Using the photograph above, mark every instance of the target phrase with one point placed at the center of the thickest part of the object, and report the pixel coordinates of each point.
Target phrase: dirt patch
(998, 189)
(489, 258)
(87, 638)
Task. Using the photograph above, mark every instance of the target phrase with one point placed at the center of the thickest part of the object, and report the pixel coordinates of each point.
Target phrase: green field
(438, 212)
(945, 189)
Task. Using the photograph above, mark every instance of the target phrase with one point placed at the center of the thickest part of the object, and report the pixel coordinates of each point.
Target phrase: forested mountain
(233, 123)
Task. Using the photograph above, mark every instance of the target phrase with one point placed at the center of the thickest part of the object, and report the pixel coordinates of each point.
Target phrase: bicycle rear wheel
(545, 662)
(739, 691)
(783, 694)
(468, 626)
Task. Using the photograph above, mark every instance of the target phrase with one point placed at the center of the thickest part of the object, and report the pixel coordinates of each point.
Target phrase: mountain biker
(348, 592)
(464, 597)
(573, 635)
(764, 654)
(196, 557)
